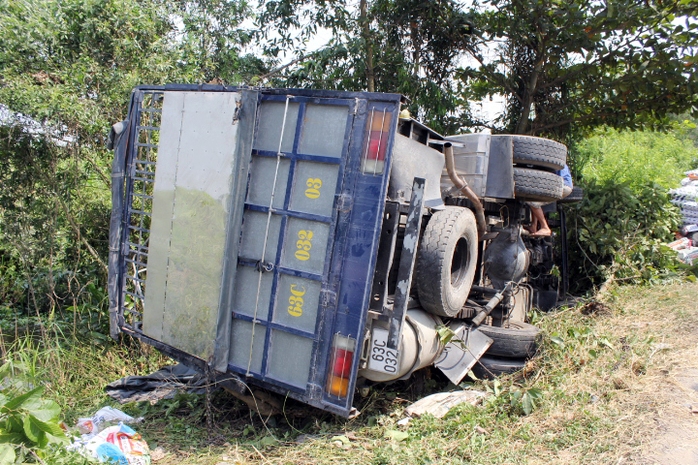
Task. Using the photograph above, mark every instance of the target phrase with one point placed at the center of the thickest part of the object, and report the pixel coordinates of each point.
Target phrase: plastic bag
(104, 417)
(118, 444)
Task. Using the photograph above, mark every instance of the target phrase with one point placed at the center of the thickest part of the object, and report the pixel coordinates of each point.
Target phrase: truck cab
(310, 242)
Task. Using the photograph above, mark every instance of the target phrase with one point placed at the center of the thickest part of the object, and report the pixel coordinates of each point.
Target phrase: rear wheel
(446, 261)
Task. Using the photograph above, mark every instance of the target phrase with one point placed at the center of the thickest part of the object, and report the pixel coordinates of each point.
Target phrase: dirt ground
(665, 395)
(675, 422)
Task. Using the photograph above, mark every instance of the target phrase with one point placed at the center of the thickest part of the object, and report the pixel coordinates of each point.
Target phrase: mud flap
(462, 351)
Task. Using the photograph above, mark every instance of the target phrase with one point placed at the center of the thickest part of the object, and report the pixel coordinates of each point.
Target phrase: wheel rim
(459, 264)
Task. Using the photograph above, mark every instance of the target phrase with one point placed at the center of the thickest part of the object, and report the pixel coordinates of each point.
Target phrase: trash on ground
(157, 454)
(118, 444)
(104, 417)
(163, 384)
(481, 430)
(440, 403)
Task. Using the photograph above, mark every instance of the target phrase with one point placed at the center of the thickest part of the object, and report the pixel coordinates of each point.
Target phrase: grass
(607, 372)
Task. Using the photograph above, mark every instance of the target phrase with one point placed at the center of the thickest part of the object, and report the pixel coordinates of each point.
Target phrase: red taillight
(340, 365)
(378, 126)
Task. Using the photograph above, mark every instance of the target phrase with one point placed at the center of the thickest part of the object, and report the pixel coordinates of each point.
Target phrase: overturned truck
(311, 243)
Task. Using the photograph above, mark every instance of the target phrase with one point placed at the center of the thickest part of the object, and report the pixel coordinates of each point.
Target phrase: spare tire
(536, 151)
(517, 340)
(446, 261)
(537, 185)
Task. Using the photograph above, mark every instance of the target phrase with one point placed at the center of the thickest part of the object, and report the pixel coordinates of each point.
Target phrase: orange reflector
(338, 386)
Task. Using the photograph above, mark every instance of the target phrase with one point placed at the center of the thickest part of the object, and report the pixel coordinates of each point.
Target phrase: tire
(577, 195)
(446, 261)
(492, 367)
(516, 341)
(536, 151)
(537, 185)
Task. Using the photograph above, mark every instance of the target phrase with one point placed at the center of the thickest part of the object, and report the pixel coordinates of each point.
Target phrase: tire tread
(537, 185)
(432, 262)
(537, 151)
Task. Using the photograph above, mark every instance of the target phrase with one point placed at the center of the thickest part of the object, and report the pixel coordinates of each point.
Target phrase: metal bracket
(386, 252)
(407, 259)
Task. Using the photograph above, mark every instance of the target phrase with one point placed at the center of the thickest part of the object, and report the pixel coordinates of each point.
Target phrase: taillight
(373, 161)
(343, 348)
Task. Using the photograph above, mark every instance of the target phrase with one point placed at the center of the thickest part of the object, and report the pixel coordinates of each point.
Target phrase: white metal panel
(193, 182)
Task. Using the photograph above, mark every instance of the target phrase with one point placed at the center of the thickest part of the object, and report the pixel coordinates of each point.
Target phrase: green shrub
(619, 233)
(619, 230)
(29, 423)
(635, 158)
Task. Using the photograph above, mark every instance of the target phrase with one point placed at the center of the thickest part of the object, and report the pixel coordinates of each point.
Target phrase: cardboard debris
(440, 403)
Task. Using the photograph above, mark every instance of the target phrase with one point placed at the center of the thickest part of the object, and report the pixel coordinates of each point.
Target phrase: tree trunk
(366, 33)
(528, 97)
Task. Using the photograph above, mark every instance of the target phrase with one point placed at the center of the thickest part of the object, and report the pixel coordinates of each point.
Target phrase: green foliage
(635, 158)
(619, 232)
(407, 46)
(563, 67)
(568, 66)
(67, 71)
(582, 387)
(28, 422)
(513, 400)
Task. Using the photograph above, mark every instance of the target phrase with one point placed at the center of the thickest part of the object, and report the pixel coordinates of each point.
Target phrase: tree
(568, 66)
(405, 46)
(561, 66)
(67, 71)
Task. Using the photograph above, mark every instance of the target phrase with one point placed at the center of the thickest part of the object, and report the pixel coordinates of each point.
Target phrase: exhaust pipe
(465, 189)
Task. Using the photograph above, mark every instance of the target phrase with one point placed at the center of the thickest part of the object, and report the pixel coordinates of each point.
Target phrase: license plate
(380, 357)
